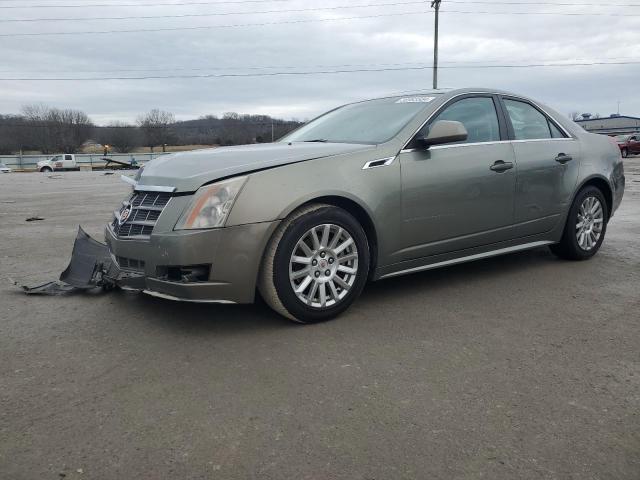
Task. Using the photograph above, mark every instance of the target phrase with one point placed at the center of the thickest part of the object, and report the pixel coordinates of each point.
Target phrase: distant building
(613, 125)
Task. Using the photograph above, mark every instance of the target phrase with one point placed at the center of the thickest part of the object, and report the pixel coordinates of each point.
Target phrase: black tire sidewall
(292, 234)
(570, 235)
(625, 153)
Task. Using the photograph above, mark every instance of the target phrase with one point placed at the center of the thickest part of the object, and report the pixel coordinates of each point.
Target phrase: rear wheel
(586, 226)
(316, 264)
(625, 152)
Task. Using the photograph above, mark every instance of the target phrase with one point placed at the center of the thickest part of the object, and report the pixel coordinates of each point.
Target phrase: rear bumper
(233, 255)
(618, 181)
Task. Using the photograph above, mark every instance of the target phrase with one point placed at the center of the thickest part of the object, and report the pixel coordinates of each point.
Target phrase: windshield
(622, 138)
(370, 122)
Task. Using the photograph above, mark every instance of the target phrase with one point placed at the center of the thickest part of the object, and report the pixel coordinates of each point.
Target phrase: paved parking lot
(521, 367)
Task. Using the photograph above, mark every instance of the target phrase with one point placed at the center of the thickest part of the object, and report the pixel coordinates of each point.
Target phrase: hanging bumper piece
(91, 267)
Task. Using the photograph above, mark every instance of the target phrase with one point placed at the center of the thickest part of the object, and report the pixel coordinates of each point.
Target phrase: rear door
(68, 161)
(459, 195)
(548, 161)
(634, 144)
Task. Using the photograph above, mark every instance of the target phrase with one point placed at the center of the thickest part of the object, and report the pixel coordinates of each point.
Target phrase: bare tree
(156, 127)
(575, 115)
(11, 130)
(48, 129)
(121, 136)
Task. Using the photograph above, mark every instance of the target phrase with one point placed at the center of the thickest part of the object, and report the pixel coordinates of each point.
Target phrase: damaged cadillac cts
(367, 191)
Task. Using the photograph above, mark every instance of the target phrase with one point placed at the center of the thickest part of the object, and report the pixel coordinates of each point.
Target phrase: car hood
(188, 171)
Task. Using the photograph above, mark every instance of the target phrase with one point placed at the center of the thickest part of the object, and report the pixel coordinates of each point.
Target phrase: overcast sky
(318, 43)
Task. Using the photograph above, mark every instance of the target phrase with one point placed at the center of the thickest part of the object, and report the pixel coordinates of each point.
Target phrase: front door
(460, 195)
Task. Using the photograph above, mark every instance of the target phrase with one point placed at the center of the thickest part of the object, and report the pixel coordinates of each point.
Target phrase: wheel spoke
(350, 271)
(305, 248)
(347, 258)
(325, 236)
(343, 245)
(336, 237)
(314, 237)
(334, 291)
(323, 295)
(312, 293)
(305, 283)
(300, 273)
(581, 239)
(302, 260)
(342, 283)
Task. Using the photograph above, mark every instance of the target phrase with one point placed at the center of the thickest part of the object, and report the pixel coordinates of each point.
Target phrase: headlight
(211, 205)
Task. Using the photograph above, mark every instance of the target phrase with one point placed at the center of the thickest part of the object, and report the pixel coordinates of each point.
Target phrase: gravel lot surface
(519, 367)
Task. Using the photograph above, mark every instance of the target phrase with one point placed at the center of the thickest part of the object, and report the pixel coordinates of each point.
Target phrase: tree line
(52, 130)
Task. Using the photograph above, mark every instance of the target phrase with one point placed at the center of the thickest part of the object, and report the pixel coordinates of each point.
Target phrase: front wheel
(46, 170)
(316, 264)
(625, 152)
(586, 226)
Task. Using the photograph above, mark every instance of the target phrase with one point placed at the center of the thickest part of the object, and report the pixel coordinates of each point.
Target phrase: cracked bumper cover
(233, 253)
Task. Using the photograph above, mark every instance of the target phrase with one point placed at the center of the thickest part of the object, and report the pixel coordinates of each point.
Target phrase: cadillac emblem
(125, 213)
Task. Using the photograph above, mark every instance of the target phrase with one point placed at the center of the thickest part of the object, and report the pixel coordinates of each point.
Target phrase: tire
(337, 270)
(573, 246)
(625, 153)
(46, 170)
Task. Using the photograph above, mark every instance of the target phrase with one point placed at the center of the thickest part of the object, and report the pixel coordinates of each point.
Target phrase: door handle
(501, 166)
(562, 158)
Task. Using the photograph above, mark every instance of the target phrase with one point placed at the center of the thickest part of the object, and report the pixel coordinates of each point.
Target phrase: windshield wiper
(317, 140)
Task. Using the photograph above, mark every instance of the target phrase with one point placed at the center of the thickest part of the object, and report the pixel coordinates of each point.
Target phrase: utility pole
(435, 4)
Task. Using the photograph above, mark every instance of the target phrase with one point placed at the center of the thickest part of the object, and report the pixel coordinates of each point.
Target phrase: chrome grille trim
(145, 212)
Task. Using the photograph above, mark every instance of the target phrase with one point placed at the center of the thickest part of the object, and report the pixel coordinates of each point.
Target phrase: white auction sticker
(416, 100)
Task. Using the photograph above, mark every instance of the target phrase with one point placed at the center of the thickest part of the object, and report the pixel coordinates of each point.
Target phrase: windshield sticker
(416, 100)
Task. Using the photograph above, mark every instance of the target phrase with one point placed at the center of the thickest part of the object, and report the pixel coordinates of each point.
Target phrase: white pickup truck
(59, 162)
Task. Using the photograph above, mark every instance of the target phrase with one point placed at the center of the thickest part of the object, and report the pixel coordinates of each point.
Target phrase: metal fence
(84, 160)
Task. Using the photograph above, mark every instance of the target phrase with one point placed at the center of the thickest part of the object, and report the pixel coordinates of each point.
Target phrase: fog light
(184, 274)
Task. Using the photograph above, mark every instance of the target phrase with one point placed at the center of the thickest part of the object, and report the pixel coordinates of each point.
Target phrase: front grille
(130, 264)
(146, 208)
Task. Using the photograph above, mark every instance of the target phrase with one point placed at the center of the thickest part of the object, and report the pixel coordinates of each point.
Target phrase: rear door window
(529, 123)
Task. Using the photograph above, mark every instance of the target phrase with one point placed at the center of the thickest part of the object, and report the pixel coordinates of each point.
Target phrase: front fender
(273, 194)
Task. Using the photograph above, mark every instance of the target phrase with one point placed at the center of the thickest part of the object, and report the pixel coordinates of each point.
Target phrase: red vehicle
(629, 144)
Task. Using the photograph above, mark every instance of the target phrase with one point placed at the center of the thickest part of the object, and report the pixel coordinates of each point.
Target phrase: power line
(216, 14)
(227, 2)
(293, 22)
(319, 72)
(554, 4)
(323, 66)
(210, 27)
(222, 2)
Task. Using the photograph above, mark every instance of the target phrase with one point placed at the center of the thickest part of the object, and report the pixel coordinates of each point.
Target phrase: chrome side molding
(469, 258)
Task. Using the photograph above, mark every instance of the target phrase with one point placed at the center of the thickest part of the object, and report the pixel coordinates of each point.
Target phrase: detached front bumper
(229, 257)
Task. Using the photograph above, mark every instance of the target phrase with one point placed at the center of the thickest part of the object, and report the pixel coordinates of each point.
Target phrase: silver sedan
(367, 191)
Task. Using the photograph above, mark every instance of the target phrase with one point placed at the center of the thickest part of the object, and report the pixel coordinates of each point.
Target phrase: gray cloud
(402, 39)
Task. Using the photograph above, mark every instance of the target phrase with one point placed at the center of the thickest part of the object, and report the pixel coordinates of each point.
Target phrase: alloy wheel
(589, 223)
(323, 265)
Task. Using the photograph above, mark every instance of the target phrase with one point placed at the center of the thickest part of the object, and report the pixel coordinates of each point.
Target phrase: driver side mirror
(443, 131)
